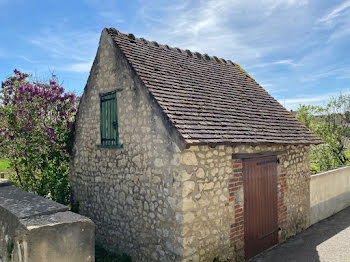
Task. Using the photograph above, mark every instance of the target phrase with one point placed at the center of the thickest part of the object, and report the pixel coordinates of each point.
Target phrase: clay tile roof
(208, 99)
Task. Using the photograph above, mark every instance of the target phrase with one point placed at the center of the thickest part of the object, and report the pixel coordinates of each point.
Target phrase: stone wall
(131, 193)
(35, 229)
(329, 193)
(207, 211)
(295, 168)
(213, 220)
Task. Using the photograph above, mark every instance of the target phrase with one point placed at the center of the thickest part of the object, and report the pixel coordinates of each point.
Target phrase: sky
(298, 50)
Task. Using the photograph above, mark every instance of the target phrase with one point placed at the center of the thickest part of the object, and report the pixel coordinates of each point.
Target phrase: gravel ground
(326, 241)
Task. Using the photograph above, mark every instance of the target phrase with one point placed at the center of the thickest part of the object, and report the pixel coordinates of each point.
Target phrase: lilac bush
(36, 122)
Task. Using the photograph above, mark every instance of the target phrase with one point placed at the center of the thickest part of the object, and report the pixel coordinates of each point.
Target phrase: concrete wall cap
(5, 182)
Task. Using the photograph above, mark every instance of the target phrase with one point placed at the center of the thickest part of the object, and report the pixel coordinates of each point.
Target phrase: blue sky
(299, 50)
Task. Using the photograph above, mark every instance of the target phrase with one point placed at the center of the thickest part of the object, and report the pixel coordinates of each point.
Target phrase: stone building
(179, 156)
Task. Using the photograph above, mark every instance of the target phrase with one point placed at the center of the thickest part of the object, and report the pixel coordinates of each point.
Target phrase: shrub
(36, 122)
(331, 124)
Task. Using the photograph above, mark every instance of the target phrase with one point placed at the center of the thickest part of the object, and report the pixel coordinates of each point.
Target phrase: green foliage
(36, 121)
(331, 124)
(103, 255)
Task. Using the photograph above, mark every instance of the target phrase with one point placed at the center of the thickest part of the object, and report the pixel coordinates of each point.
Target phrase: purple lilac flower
(50, 131)
(70, 125)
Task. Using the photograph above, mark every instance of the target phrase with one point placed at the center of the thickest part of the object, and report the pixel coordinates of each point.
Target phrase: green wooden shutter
(109, 119)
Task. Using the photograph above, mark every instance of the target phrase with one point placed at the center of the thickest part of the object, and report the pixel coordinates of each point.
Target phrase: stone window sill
(110, 146)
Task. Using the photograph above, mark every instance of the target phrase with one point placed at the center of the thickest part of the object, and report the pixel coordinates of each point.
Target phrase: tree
(331, 124)
(35, 133)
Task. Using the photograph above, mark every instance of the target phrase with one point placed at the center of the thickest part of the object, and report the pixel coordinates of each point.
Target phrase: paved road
(326, 241)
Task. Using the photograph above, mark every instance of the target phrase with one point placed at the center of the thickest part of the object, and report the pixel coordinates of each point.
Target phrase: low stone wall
(35, 229)
(329, 193)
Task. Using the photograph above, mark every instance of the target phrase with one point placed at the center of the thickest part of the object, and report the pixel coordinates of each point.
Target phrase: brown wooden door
(260, 204)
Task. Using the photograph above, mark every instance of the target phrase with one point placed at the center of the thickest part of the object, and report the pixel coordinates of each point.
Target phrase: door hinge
(269, 234)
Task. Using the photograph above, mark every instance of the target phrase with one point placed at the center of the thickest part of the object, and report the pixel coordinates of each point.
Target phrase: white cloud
(199, 28)
(337, 71)
(293, 103)
(77, 67)
(336, 12)
(284, 62)
(306, 100)
(271, 5)
(75, 45)
(243, 31)
(265, 85)
(28, 59)
(111, 16)
(69, 50)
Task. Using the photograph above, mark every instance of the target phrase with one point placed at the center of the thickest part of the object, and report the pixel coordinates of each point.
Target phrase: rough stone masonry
(153, 199)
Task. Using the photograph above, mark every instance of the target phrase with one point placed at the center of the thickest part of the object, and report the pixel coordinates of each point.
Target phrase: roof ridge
(195, 54)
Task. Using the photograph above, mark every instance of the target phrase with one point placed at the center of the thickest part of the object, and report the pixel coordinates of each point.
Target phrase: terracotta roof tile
(209, 99)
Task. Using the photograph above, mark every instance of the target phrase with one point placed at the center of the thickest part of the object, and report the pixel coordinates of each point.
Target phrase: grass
(103, 255)
(4, 165)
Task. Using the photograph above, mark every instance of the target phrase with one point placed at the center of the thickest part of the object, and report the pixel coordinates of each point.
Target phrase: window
(109, 120)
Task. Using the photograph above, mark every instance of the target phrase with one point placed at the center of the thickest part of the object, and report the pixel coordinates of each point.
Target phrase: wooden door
(260, 204)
